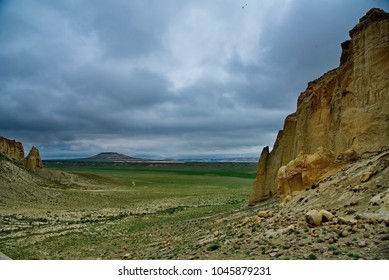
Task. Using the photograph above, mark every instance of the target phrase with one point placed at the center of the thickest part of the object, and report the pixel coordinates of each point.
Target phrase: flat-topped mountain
(117, 157)
(111, 156)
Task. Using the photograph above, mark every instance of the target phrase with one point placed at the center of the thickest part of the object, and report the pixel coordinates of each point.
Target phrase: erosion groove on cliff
(345, 111)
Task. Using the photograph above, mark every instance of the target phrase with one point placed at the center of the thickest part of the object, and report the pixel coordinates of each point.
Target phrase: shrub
(213, 247)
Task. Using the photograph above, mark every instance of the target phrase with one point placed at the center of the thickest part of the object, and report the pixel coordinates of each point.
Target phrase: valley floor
(210, 219)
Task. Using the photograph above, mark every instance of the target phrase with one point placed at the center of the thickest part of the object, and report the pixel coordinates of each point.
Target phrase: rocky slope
(345, 216)
(340, 117)
(14, 150)
(342, 218)
(18, 186)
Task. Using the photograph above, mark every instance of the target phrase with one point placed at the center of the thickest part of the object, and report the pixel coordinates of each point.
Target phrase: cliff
(34, 161)
(15, 150)
(11, 149)
(344, 113)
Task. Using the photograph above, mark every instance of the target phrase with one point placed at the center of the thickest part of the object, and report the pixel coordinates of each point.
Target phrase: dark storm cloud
(165, 78)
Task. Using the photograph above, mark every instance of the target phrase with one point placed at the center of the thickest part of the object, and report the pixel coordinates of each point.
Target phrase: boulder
(366, 176)
(265, 214)
(305, 171)
(313, 218)
(326, 215)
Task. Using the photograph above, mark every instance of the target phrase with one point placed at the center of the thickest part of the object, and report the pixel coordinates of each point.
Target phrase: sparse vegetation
(128, 202)
(141, 211)
(353, 256)
(213, 247)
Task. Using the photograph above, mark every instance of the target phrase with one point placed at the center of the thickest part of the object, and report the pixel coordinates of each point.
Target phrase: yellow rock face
(347, 109)
(305, 171)
(15, 150)
(34, 161)
(11, 148)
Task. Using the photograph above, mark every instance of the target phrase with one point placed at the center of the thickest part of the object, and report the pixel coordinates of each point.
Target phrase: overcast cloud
(164, 78)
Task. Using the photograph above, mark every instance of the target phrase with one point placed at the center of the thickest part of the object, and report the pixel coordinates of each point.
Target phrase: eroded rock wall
(15, 150)
(11, 148)
(347, 109)
(34, 161)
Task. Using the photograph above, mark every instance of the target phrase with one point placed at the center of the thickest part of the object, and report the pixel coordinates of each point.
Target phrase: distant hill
(110, 157)
(117, 157)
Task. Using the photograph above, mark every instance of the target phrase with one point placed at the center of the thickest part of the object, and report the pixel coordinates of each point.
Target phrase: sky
(162, 78)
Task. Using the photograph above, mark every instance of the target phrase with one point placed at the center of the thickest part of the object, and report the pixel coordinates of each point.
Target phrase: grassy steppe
(120, 209)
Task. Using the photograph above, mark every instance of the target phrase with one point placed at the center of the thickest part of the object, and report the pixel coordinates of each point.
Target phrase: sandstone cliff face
(34, 161)
(15, 150)
(347, 109)
(305, 171)
(11, 148)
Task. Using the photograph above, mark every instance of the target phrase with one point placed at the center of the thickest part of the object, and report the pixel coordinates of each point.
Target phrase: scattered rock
(271, 233)
(326, 215)
(373, 221)
(206, 241)
(273, 254)
(313, 218)
(291, 227)
(265, 214)
(354, 229)
(314, 233)
(346, 221)
(376, 200)
(246, 220)
(362, 243)
(366, 176)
